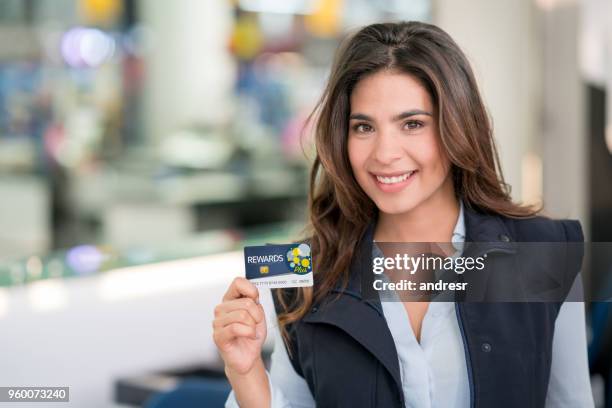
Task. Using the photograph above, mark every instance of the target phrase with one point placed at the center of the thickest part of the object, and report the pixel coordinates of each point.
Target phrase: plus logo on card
(299, 260)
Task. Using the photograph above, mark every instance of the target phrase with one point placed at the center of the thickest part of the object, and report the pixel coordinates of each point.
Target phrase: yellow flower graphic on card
(299, 259)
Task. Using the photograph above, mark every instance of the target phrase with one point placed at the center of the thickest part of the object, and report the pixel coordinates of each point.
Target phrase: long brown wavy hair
(339, 210)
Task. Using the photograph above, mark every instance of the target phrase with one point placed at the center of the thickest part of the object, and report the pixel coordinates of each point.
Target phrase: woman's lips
(391, 183)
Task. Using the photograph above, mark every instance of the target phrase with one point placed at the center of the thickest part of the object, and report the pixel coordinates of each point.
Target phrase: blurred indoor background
(143, 143)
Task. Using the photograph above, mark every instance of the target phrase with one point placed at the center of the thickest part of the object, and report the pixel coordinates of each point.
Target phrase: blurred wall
(525, 57)
(189, 69)
(564, 126)
(498, 38)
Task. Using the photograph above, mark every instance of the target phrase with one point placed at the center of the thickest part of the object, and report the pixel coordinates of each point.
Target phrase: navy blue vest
(344, 350)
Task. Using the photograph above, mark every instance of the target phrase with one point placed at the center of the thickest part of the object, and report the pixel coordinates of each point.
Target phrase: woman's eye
(362, 128)
(413, 125)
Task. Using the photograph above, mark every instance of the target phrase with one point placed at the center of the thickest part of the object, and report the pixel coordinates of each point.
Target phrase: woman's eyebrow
(410, 113)
(400, 116)
(360, 116)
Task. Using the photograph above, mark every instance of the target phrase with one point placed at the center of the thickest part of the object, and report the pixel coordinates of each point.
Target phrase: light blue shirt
(434, 371)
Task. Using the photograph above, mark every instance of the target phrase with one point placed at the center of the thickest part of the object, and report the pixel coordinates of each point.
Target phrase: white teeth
(394, 179)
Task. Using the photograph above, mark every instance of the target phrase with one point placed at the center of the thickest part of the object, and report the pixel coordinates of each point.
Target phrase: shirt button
(314, 309)
(504, 238)
(486, 347)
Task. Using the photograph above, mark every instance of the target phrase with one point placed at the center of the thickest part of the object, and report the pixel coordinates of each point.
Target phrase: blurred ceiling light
(324, 21)
(96, 47)
(34, 267)
(278, 6)
(246, 39)
(84, 47)
(47, 295)
(70, 47)
(85, 259)
(100, 11)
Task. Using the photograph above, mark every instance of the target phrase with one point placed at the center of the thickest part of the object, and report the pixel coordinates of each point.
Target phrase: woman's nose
(387, 148)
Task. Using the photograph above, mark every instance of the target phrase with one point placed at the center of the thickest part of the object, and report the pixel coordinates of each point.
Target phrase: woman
(404, 154)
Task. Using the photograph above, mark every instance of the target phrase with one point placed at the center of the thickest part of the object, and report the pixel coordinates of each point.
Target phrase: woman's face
(394, 145)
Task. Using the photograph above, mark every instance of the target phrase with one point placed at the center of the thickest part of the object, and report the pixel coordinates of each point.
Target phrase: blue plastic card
(279, 266)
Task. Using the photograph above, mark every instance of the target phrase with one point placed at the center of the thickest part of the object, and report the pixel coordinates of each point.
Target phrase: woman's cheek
(357, 158)
(429, 155)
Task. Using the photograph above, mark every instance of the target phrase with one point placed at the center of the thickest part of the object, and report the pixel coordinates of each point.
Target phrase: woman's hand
(239, 327)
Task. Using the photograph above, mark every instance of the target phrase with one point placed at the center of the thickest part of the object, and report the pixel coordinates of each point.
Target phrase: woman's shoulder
(541, 228)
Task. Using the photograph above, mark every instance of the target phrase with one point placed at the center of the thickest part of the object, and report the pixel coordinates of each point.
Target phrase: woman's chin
(397, 208)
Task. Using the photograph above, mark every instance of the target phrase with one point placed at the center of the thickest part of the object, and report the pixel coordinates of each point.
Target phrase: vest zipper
(467, 353)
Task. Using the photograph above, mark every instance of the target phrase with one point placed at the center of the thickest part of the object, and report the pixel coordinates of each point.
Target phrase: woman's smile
(393, 182)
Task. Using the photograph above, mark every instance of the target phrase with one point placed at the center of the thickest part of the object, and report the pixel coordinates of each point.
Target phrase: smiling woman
(405, 153)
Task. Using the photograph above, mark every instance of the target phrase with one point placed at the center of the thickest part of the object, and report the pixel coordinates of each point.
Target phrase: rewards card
(279, 266)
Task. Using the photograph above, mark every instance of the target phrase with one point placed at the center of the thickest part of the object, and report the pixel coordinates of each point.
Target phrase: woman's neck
(431, 221)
